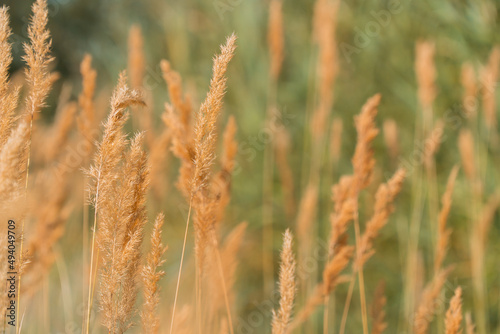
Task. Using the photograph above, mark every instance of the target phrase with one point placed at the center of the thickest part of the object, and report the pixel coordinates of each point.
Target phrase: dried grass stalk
(204, 150)
(363, 160)
(453, 320)
(122, 220)
(205, 128)
(287, 286)
(103, 191)
(111, 147)
(151, 275)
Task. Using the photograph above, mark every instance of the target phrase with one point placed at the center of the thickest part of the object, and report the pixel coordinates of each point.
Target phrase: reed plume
(103, 175)
(151, 275)
(453, 320)
(205, 128)
(282, 317)
(122, 220)
(111, 147)
(204, 148)
(8, 96)
(197, 176)
(363, 161)
(38, 58)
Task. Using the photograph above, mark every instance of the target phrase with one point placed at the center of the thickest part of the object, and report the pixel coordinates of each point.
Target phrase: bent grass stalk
(180, 267)
(92, 275)
(223, 281)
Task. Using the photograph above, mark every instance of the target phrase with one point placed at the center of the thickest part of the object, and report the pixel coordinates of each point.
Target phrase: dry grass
(287, 287)
(453, 319)
(123, 284)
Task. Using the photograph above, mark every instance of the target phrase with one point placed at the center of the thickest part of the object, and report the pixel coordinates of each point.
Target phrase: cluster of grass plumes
(114, 187)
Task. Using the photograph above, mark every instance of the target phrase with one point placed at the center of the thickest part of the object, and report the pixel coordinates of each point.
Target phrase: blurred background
(376, 54)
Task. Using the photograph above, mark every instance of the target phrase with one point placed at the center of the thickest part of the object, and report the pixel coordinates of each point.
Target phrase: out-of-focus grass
(188, 33)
